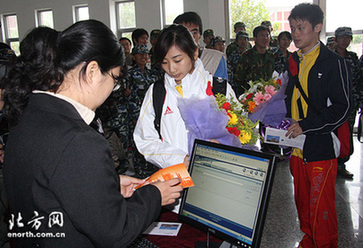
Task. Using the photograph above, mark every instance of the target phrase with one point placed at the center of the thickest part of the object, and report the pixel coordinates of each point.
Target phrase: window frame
(121, 30)
(38, 17)
(8, 40)
(76, 12)
(163, 14)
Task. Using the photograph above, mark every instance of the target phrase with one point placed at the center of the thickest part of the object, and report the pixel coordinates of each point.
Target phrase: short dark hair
(137, 33)
(177, 35)
(286, 33)
(307, 12)
(259, 29)
(125, 38)
(190, 17)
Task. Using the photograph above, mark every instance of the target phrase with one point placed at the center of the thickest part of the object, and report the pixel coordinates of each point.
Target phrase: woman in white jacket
(185, 77)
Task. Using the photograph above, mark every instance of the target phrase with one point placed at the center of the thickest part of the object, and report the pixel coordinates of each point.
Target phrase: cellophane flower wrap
(204, 120)
(264, 101)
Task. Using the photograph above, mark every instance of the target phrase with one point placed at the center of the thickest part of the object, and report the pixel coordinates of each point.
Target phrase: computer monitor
(231, 192)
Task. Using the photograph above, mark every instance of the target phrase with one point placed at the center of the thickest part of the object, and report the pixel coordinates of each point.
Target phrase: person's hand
(127, 91)
(186, 161)
(169, 190)
(128, 184)
(294, 130)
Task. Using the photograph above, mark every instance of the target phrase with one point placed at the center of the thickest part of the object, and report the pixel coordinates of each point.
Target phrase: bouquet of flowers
(205, 120)
(238, 123)
(264, 100)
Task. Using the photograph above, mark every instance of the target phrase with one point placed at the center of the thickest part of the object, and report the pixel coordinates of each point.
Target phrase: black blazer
(54, 163)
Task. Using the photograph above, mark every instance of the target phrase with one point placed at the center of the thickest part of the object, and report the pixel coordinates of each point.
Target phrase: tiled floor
(282, 226)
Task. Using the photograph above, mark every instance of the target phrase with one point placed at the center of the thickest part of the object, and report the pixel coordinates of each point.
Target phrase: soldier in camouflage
(233, 58)
(343, 37)
(238, 26)
(273, 42)
(281, 54)
(140, 78)
(208, 35)
(257, 63)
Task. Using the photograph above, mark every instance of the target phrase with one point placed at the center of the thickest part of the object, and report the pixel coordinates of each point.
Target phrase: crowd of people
(69, 92)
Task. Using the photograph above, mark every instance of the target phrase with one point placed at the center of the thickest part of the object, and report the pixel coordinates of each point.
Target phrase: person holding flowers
(185, 78)
(319, 100)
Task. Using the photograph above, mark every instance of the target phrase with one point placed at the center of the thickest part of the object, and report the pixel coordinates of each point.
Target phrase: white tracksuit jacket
(174, 144)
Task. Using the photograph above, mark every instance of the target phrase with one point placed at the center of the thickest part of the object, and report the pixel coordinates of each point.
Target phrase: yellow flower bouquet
(238, 123)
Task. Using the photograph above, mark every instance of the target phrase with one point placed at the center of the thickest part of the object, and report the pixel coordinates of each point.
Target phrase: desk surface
(187, 235)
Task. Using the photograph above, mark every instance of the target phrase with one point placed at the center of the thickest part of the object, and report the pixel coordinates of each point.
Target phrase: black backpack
(219, 86)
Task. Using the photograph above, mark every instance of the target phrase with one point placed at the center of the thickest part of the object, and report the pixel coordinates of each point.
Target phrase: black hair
(137, 33)
(190, 17)
(47, 56)
(33, 69)
(309, 12)
(286, 33)
(125, 38)
(258, 29)
(177, 35)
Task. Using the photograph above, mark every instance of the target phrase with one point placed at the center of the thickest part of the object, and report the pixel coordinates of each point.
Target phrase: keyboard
(141, 242)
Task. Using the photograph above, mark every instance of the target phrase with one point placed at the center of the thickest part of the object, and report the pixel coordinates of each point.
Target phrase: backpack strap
(219, 86)
(159, 93)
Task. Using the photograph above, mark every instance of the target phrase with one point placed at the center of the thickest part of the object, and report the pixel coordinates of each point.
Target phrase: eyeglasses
(117, 80)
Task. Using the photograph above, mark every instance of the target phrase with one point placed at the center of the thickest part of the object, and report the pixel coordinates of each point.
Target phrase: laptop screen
(231, 192)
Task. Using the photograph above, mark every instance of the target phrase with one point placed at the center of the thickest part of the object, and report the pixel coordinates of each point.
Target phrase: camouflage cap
(343, 31)
(239, 24)
(207, 33)
(154, 34)
(215, 40)
(330, 40)
(241, 34)
(266, 23)
(140, 49)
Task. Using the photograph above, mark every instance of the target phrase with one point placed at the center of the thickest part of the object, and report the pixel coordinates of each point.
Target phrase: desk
(187, 235)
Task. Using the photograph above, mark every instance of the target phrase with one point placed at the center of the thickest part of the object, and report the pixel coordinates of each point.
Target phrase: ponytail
(32, 70)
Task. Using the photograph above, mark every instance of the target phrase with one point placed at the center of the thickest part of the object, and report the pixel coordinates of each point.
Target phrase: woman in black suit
(58, 171)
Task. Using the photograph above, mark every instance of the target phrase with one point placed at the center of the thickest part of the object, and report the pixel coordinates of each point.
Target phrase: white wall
(148, 13)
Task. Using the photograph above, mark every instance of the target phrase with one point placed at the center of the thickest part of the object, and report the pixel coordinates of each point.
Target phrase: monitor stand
(213, 244)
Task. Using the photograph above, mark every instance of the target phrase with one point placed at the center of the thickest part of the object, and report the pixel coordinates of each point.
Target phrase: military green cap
(343, 31)
(266, 23)
(207, 33)
(239, 24)
(241, 34)
(215, 40)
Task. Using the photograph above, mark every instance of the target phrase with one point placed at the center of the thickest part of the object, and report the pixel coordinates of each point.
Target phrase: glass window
(45, 18)
(11, 32)
(171, 9)
(346, 15)
(11, 26)
(340, 14)
(81, 13)
(126, 14)
(253, 12)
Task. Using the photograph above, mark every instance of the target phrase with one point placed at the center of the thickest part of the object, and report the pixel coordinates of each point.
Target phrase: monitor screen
(231, 192)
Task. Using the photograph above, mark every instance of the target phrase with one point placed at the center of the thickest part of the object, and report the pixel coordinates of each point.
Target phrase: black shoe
(343, 173)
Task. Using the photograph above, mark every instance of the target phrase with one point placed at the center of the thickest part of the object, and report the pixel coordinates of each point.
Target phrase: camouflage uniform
(139, 83)
(233, 47)
(232, 61)
(114, 116)
(352, 61)
(358, 88)
(281, 62)
(253, 66)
